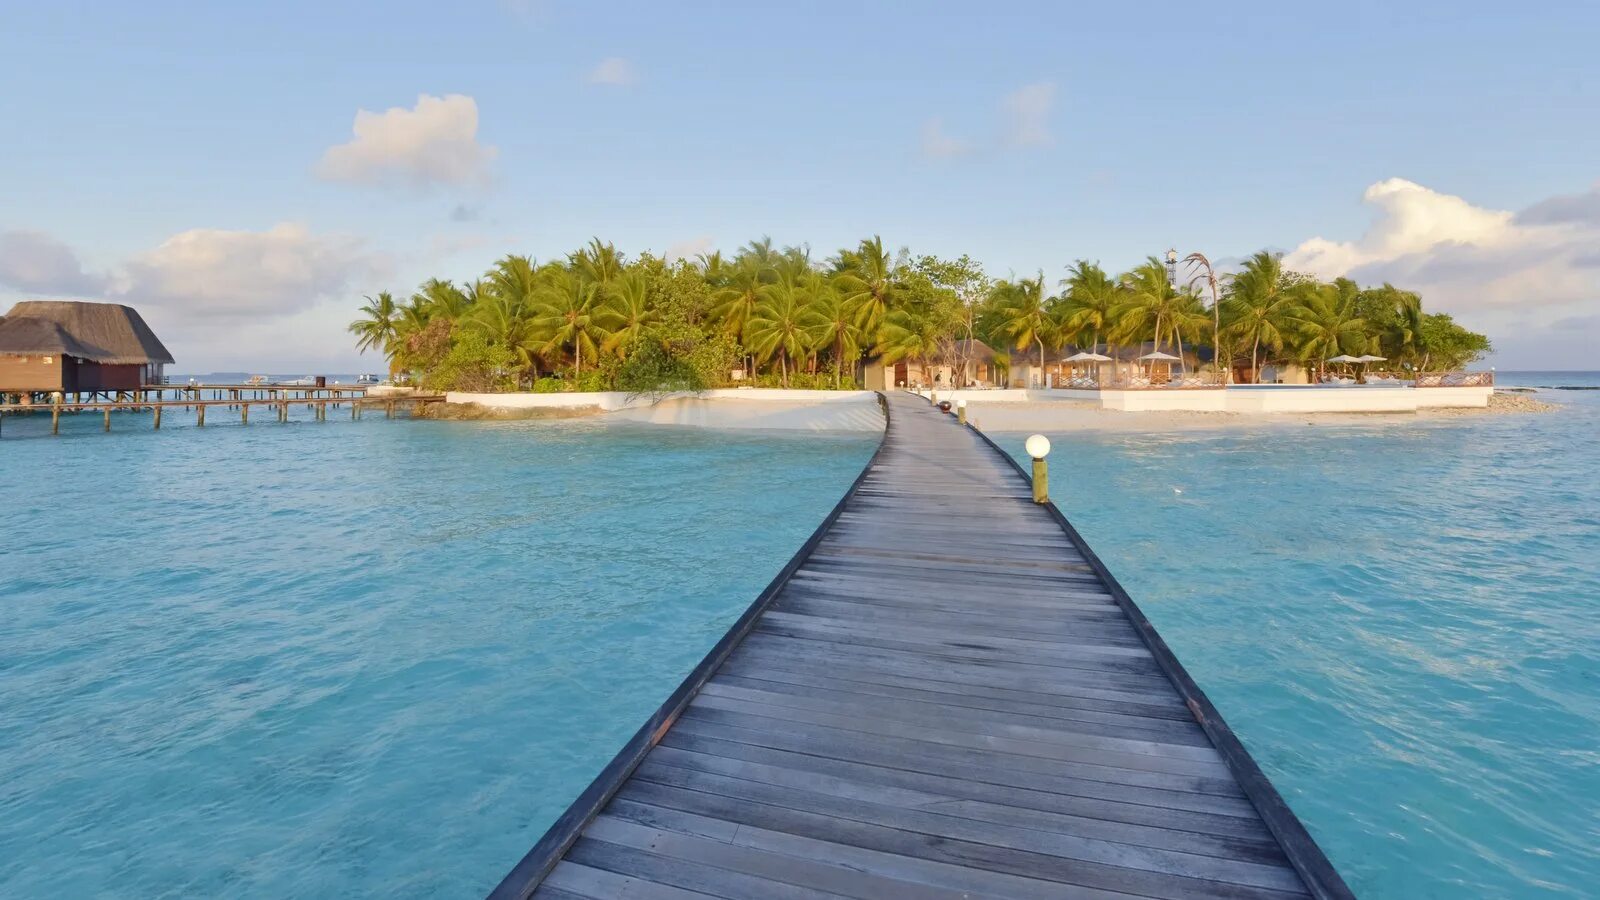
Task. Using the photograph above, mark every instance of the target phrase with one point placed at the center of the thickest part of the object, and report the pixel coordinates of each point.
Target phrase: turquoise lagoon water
(354, 659)
(1400, 619)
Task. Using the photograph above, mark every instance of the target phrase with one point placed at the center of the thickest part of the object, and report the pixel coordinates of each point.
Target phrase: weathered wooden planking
(944, 694)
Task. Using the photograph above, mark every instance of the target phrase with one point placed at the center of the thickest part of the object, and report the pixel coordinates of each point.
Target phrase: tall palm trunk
(1036, 337)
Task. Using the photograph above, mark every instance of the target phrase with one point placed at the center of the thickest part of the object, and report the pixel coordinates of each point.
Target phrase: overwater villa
(76, 347)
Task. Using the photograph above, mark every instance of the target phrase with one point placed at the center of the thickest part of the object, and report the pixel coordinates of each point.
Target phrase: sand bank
(741, 408)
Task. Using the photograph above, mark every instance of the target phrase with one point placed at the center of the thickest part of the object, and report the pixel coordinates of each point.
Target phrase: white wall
(1204, 399)
(1454, 397)
(1264, 399)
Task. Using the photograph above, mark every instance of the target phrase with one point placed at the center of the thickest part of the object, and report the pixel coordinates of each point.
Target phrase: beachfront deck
(943, 695)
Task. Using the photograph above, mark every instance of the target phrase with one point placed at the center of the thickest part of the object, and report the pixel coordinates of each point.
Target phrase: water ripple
(1400, 620)
(342, 659)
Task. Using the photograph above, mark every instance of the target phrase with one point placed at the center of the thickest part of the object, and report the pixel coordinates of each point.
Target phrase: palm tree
(565, 316)
(1205, 275)
(1152, 307)
(378, 328)
(910, 334)
(507, 320)
(597, 262)
(625, 313)
(867, 281)
(1025, 314)
(1258, 306)
(1325, 322)
(832, 323)
(1091, 302)
(778, 326)
(443, 298)
(736, 300)
(713, 268)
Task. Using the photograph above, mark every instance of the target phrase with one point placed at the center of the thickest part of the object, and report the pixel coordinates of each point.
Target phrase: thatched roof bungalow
(72, 346)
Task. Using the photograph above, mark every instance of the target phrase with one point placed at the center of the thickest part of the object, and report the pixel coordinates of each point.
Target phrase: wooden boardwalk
(945, 695)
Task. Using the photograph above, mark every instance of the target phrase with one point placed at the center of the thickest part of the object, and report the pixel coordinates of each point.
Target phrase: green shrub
(650, 369)
(473, 364)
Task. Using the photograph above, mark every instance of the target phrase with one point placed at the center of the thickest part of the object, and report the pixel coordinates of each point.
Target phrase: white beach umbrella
(1086, 356)
(1370, 358)
(1157, 354)
(1344, 358)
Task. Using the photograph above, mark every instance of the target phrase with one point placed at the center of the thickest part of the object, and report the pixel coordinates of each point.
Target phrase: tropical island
(598, 321)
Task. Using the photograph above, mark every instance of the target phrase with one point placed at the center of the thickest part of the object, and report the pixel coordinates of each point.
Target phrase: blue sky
(186, 159)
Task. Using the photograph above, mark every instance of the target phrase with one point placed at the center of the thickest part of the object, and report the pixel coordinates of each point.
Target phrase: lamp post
(1172, 266)
(1038, 447)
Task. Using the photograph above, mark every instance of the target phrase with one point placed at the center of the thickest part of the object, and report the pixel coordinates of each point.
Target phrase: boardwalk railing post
(1038, 447)
(961, 411)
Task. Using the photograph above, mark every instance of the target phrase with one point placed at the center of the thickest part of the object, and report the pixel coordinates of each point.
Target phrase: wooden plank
(924, 873)
(579, 880)
(1064, 746)
(932, 706)
(1018, 851)
(781, 871)
(849, 744)
(688, 867)
(958, 798)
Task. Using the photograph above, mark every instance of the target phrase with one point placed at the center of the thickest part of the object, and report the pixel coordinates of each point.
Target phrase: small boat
(367, 379)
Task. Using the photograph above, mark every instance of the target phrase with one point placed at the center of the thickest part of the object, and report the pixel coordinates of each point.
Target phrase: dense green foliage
(599, 321)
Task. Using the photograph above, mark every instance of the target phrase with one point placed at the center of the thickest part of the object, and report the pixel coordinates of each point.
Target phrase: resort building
(1067, 366)
(77, 347)
(965, 364)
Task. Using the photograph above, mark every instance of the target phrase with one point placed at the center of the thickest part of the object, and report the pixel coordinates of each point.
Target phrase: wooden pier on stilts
(944, 694)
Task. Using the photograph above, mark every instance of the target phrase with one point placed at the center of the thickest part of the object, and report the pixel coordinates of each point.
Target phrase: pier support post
(1038, 447)
(201, 421)
(389, 410)
(158, 419)
(355, 410)
(244, 414)
(108, 419)
(55, 418)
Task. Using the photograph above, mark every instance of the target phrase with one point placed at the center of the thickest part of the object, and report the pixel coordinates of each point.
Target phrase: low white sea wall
(1267, 399)
(1191, 399)
(1476, 397)
(1289, 398)
(1010, 395)
(762, 408)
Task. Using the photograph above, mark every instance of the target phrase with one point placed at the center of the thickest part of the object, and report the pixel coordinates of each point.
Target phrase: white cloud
(936, 144)
(1500, 271)
(433, 143)
(210, 273)
(1027, 113)
(689, 249)
(613, 70)
(35, 262)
